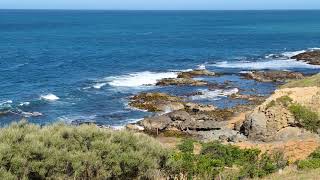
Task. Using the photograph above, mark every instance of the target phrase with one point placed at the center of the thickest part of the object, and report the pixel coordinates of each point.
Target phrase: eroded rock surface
(268, 119)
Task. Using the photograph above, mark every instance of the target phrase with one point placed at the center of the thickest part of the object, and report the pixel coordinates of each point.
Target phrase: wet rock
(155, 102)
(195, 73)
(181, 82)
(311, 57)
(272, 76)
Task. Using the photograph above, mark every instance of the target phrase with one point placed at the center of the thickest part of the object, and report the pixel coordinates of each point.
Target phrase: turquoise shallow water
(83, 65)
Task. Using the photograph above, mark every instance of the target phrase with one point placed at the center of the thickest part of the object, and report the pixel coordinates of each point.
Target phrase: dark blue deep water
(83, 65)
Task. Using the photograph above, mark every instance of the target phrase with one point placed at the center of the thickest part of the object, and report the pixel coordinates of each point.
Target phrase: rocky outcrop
(267, 120)
(311, 57)
(272, 76)
(181, 82)
(182, 120)
(195, 73)
(186, 79)
(155, 102)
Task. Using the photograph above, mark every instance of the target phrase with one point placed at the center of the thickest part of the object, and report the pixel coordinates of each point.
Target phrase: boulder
(272, 76)
(181, 82)
(156, 123)
(311, 57)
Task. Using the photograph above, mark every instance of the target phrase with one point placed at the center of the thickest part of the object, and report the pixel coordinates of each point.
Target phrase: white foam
(139, 79)
(6, 102)
(24, 104)
(99, 85)
(201, 67)
(49, 97)
(215, 94)
(128, 121)
(292, 53)
(271, 64)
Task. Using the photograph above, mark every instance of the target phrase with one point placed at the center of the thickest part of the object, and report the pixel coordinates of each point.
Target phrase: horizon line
(80, 9)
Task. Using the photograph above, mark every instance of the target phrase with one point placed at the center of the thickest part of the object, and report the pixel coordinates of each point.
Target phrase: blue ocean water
(84, 65)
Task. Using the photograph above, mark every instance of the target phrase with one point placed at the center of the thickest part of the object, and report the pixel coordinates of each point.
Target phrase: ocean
(83, 66)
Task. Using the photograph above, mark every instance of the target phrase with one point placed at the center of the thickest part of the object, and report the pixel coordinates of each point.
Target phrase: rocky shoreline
(261, 120)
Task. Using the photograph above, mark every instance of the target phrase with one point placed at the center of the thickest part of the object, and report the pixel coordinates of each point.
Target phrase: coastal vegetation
(60, 151)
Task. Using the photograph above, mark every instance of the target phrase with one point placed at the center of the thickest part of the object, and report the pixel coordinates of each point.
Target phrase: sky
(161, 4)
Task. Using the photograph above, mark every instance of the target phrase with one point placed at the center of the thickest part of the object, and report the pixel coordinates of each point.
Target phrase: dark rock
(311, 57)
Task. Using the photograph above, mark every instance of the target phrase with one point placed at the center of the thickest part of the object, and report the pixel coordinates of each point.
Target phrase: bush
(214, 158)
(63, 152)
(305, 117)
(313, 161)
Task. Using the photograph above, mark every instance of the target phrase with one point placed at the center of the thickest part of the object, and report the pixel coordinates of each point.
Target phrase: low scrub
(224, 161)
(313, 161)
(60, 151)
(86, 152)
(305, 117)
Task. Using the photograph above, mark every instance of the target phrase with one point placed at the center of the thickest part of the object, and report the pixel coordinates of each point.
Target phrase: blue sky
(160, 4)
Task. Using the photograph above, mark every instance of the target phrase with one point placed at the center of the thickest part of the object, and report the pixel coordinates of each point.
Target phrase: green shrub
(214, 158)
(64, 152)
(284, 100)
(305, 117)
(313, 161)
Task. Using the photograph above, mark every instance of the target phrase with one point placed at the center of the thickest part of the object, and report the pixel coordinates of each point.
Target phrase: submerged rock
(311, 57)
(181, 82)
(272, 76)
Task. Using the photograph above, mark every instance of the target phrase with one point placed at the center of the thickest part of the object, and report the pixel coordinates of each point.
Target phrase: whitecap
(270, 64)
(99, 85)
(139, 79)
(49, 97)
(24, 104)
(215, 94)
(5, 102)
(290, 54)
(201, 67)
(128, 121)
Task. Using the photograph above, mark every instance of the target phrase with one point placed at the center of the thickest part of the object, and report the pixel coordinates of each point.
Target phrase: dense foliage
(86, 152)
(313, 162)
(226, 161)
(305, 117)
